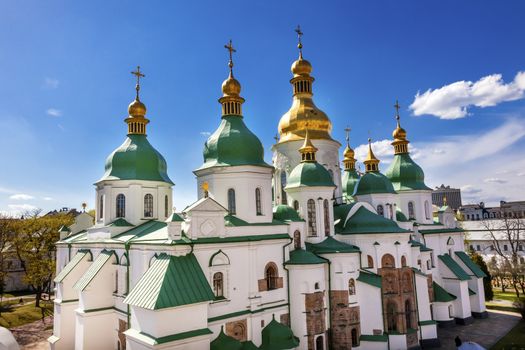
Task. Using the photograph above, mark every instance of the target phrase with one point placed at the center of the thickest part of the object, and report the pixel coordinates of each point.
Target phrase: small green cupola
(309, 172)
(225, 342)
(372, 181)
(136, 158)
(350, 175)
(277, 336)
(232, 143)
(403, 172)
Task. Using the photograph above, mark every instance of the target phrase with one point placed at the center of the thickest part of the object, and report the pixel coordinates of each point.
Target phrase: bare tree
(506, 235)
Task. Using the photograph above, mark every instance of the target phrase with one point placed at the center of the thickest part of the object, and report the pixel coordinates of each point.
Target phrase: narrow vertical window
(101, 207)
(218, 285)
(148, 205)
(427, 210)
(411, 213)
(351, 286)
(380, 210)
(284, 198)
(258, 206)
(312, 224)
(408, 319)
(354, 338)
(271, 277)
(121, 206)
(166, 204)
(231, 201)
(326, 211)
(370, 261)
(296, 205)
(297, 239)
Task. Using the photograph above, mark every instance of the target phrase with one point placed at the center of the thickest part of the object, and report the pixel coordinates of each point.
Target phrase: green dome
(405, 174)
(365, 221)
(350, 179)
(400, 216)
(136, 159)
(277, 336)
(309, 174)
(225, 342)
(373, 182)
(233, 144)
(284, 212)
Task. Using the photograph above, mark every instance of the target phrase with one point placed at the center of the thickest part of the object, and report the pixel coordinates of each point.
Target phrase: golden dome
(399, 133)
(301, 67)
(231, 86)
(137, 109)
(348, 153)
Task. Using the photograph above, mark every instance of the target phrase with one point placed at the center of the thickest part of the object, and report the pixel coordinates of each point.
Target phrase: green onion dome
(309, 174)
(350, 180)
(284, 212)
(277, 336)
(136, 159)
(225, 342)
(405, 174)
(373, 182)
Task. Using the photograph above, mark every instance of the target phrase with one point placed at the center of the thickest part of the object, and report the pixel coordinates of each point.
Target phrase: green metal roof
(232, 220)
(441, 295)
(471, 292)
(331, 245)
(303, 257)
(369, 278)
(151, 340)
(454, 267)
(470, 264)
(225, 342)
(442, 230)
(248, 345)
(350, 179)
(71, 265)
(364, 221)
(136, 159)
(422, 247)
(120, 222)
(64, 228)
(400, 216)
(235, 239)
(285, 213)
(405, 174)
(374, 337)
(373, 182)
(169, 282)
(309, 174)
(94, 269)
(175, 218)
(233, 144)
(277, 336)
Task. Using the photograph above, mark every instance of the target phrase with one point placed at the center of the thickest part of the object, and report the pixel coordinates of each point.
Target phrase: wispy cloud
(53, 112)
(205, 133)
(382, 149)
(48, 198)
(21, 197)
(51, 83)
(495, 180)
(20, 208)
(452, 101)
(469, 189)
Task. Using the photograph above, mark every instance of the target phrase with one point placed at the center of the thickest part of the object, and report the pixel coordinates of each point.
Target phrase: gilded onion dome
(292, 125)
(350, 175)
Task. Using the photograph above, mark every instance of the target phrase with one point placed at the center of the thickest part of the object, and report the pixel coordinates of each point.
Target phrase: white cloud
(205, 133)
(452, 101)
(51, 83)
(521, 174)
(48, 198)
(495, 180)
(20, 208)
(53, 112)
(382, 150)
(469, 189)
(21, 197)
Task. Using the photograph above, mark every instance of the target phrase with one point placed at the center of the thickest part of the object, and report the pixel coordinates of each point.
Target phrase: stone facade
(345, 318)
(315, 317)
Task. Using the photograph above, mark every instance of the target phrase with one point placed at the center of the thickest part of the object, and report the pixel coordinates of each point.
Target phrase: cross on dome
(139, 75)
(299, 44)
(231, 50)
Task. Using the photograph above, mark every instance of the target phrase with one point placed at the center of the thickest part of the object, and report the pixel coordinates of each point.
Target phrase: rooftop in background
(446, 195)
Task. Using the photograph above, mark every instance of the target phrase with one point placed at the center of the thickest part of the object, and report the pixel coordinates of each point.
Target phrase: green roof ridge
(303, 257)
(120, 222)
(365, 221)
(70, 266)
(94, 269)
(454, 267)
(374, 337)
(331, 245)
(277, 336)
(369, 278)
(441, 295)
(476, 270)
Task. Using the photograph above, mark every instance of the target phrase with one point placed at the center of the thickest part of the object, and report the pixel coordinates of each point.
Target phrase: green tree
(487, 281)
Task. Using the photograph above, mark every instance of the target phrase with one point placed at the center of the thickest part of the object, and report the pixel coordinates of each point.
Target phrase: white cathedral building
(295, 255)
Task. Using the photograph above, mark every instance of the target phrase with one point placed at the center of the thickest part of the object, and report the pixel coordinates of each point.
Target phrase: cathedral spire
(400, 135)
(231, 100)
(307, 150)
(299, 42)
(371, 162)
(137, 110)
(348, 160)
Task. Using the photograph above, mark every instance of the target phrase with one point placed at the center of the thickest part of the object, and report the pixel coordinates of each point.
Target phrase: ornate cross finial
(397, 106)
(139, 75)
(347, 137)
(299, 44)
(230, 48)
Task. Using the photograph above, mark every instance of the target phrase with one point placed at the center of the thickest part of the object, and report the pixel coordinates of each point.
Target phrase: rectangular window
(505, 247)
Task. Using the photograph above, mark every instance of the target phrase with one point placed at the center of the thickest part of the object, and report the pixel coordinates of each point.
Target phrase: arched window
(411, 213)
(312, 224)
(271, 277)
(380, 210)
(427, 210)
(148, 206)
(351, 286)
(354, 338)
(326, 218)
(403, 261)
(316, 285)
(115, 287)
(101, 207)
(296, 205)
(388, 261)
(231, 201)
(121, 205)
(166, 205)
(284, 199)
(258, 207)
(218, 284)
(391, 316)
(408, 318)
(297, 239)
(319, 343)
(370, 261)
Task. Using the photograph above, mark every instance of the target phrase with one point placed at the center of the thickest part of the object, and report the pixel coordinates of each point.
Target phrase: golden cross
(397, 106)
(230, 48)
(347, 132)
(300, 44)
(139, 75)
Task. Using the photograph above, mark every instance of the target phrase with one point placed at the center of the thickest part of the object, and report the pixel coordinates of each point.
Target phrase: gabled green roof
(169, 282)
(277, 336)
(309, 174)
(331, 245)
(422, 247)
(175, 218)
(232, 220)
(441, 295)
(373, 182)
(225, 342)
(120, 222)
(405, 174)
(369, 278)
(454, 267)
(71, 265)
(285, 213)
(470, 264)
(97, 265)
(64, 228)
(364, 221)
(303, 257)
(350, 179)
(233, 144)
(136, 159)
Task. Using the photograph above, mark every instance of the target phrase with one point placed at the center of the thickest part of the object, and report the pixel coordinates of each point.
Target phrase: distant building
(452, 195)
(474, 212)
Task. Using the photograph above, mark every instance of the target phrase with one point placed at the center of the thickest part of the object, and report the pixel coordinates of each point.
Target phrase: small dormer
(174, 222)
(204, 218)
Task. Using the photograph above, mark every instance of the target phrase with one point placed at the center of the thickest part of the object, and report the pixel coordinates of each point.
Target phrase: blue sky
(66, 85)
